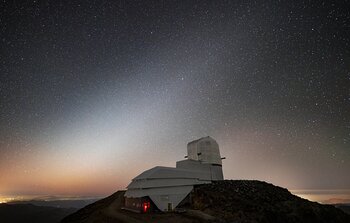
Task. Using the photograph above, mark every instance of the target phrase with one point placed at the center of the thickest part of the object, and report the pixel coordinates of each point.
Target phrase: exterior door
(170, 206)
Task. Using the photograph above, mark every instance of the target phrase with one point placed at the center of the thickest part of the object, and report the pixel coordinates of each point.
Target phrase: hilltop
(23, 213)
(240, 201)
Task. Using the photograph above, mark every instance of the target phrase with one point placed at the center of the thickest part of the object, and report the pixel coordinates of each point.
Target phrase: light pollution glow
(100, 154)
(83, 114)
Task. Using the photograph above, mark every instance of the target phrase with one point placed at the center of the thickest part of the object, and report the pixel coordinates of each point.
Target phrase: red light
(146, 206)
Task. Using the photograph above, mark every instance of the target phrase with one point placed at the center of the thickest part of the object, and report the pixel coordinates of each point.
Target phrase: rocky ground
(239, 201)
(256, 201)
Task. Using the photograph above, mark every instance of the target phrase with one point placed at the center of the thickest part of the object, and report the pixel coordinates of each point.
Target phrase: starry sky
(94, 92)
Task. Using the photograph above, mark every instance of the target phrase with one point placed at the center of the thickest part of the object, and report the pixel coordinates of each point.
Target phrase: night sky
(94, 92)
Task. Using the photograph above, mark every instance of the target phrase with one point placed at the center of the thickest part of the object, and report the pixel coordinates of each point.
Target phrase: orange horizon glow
(72, 170)
(91, 100)
(325, 197)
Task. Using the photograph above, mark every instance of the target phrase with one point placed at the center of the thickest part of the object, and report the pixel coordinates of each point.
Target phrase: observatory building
(163, 188)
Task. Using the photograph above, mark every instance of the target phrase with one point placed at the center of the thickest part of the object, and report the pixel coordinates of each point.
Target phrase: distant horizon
(323, 196)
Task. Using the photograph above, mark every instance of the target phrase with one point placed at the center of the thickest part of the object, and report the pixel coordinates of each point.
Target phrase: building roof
(151, 177)
(197, 140)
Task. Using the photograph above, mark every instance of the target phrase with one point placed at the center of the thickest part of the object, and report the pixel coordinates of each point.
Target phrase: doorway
(170, 206)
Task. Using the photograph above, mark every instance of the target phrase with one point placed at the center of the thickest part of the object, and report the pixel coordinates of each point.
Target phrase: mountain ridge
(24, 213)
(244, 201)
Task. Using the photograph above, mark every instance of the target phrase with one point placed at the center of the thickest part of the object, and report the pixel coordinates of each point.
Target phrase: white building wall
(164, 185)
(174, 195)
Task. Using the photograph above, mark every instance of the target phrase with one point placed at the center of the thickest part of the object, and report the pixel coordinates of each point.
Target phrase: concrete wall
(212, 171)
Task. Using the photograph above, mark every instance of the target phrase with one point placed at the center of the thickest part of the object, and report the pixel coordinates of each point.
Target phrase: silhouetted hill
(76, 203)
(344, 207)
(256, 201)
(240, 201)
(93, 210)
(28, 213)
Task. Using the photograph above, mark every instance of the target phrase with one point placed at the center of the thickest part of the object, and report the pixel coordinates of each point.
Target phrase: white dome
(205, 149)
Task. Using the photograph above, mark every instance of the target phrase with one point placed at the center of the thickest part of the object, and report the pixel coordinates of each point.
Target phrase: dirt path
(114, 211)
